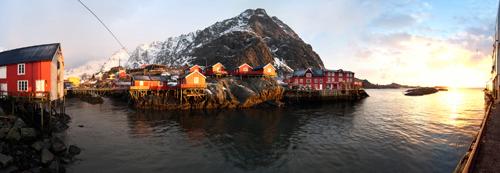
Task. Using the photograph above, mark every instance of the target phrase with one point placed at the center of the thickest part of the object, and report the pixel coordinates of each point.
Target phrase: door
(3, 89)
(40, 87)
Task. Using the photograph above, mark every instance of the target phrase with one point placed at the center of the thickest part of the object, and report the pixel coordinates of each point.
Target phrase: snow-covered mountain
(252, 37)
(92, 67)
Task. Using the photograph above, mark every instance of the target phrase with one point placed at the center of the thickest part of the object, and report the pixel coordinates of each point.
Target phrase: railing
(193, 85)
(30, 95)
(139, 87)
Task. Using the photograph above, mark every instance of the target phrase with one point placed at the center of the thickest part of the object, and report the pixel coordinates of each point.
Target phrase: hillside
(252, 37)
(368, 85)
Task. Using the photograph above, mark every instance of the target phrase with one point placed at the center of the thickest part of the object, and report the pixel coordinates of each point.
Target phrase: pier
(323, 95)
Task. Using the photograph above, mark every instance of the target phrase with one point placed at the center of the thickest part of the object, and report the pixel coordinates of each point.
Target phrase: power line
(107, 28)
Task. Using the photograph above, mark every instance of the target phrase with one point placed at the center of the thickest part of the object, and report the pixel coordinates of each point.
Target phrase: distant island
(368, 85)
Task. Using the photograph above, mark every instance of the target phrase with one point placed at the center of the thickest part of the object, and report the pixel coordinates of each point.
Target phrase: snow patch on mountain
(177, 51)
(95, 66)
(182, 50)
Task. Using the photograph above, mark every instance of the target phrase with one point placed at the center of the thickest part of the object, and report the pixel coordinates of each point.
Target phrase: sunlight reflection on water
(388, 132)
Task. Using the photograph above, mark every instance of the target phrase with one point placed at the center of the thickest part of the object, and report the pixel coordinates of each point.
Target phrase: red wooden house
(195, 67)
(267, 70)
(319, 79)
(144, 82)
(194, 79)
(216, 70)
(243, 70)
(35, 70)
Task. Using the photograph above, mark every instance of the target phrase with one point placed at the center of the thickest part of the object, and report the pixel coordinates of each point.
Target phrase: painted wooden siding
(40, 70)
(194, 80)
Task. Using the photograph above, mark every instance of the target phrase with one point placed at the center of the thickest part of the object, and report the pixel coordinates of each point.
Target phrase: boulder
(13, 135)
(74, 150)
(5, 160)
(54, 166)
(38, 145)
(3, 132)
(66, 159)
(58, 145)
(47, 156)
(19, 123)
(28, 133)
(59, 126)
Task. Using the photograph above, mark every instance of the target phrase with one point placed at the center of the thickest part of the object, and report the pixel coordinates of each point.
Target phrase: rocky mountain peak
(251, 37)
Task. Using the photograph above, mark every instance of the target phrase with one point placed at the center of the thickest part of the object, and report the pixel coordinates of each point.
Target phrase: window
(3, 72)
(320, 80)
(301, 80)
(340, 74)
(245, 69)
(308, 74)
(308, 81)
(40, 85)
(22, 85)
(3, 89)
(269, 70)
(141, 83)
(196, 80)
(315, 80)
(21, 69)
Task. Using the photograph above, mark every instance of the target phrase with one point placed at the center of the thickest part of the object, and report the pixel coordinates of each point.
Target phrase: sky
(410, 42)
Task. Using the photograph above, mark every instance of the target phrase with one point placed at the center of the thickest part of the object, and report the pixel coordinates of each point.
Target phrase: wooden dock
(323, 95)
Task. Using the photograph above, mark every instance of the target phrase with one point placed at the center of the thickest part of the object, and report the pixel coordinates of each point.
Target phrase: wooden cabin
(216, 70)
(195, 67)
(154, 69)
(136, 71)
(36, 69)
(242, 70)
(143, 82)
(122, 74)
(194, 79)
(267, 70)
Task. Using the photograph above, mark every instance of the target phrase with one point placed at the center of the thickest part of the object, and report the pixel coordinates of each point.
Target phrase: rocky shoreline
(227, 93)
(421, 91)
(25, 146)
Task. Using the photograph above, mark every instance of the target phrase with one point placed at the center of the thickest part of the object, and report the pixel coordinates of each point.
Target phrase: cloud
(395, 21)
(423, 60)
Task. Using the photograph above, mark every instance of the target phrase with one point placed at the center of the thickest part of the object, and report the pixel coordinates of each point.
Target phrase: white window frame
(3, 72)
(19, 69)
(20, 85)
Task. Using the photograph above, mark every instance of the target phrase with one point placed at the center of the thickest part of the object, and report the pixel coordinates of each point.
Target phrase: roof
(159, 78)
(340, 70)
(141, 77)
(216, 64)
(260, 67)
(236, 68)
(315, 72)
(43, 52)
(187, 74)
